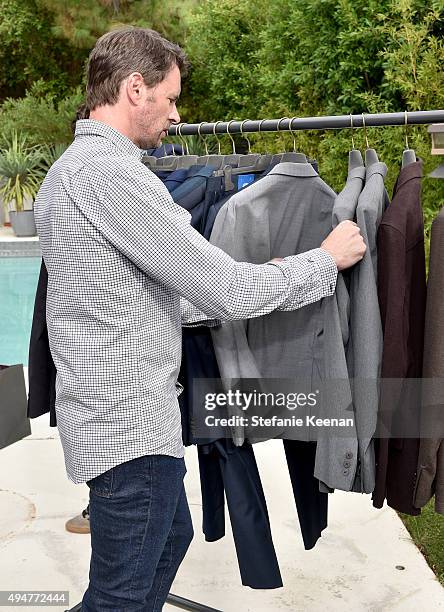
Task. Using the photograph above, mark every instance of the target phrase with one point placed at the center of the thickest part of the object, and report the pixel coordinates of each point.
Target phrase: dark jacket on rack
(230, 471)
(41, 370)
(430, 479)
(402, 298)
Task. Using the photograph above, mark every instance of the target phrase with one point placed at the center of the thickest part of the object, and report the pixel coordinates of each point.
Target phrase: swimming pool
(18, 284)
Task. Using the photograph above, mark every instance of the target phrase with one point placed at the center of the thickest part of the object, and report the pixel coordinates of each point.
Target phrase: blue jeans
(140, 531)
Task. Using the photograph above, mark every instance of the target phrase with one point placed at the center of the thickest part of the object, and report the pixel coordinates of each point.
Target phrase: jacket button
(346, 464)
(349, 455)
(346, 472)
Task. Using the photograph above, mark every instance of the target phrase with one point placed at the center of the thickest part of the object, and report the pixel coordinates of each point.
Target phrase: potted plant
(21, 174)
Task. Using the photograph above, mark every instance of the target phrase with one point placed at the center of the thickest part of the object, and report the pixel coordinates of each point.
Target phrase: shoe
(80, 523)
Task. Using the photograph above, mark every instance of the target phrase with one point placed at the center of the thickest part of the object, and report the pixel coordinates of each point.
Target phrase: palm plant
(21, 172)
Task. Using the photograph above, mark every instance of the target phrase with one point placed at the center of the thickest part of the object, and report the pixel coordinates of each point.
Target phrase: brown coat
(430, 479)
(402, 297)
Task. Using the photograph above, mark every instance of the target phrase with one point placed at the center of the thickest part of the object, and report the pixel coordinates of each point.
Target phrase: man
(80, 522)
(125, 270)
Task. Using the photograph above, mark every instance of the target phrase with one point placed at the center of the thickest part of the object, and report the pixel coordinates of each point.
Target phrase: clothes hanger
(216, 161)
(289, 156)
(232, 159)
(371, 157)
(151, 160)
(247, 159)
(408, 155)
(167, 162)
(354, 156)
(277, 157)
(170, 163)
(187, 160)
(252, 162)
(202, 160)
(293, 156)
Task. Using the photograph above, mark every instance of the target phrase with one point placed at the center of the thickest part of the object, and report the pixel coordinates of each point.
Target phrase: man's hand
(345, 244)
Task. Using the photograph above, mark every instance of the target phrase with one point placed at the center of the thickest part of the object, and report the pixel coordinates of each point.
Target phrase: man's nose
(175, 117)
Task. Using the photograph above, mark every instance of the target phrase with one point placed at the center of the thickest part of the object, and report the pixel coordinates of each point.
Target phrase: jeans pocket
(102, 485)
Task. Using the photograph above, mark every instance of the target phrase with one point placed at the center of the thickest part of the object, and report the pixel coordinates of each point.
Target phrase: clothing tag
(243, 180)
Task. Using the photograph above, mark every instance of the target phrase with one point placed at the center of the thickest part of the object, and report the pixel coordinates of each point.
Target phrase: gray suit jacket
(337, 312)
(364, 352)
(287, 212)
(344, 209)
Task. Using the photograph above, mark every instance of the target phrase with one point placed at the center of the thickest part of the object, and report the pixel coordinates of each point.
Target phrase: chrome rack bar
(187, 604)
(334, 122)
(174, 600)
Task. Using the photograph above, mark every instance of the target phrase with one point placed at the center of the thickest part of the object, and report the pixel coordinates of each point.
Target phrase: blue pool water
(18, 284)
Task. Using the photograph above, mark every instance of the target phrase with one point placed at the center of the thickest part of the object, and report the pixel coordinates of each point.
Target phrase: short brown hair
(119, 53)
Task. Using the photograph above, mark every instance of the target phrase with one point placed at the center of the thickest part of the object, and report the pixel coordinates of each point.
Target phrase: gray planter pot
(23, 223)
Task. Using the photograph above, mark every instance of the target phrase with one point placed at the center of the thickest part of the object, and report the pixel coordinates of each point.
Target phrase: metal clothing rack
(333, 122)
(174, 600)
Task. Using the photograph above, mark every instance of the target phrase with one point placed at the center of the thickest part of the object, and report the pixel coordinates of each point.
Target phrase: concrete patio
(365, 561)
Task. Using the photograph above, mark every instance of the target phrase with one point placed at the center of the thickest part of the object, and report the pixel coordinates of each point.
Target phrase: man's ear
(135, 87)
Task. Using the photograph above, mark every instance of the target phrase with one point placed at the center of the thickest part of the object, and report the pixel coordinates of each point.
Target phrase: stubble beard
(147, 141)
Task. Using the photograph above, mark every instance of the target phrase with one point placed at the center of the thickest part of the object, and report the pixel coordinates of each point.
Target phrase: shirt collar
(92, 127)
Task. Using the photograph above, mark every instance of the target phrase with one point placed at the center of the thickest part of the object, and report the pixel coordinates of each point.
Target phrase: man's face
(154, 117)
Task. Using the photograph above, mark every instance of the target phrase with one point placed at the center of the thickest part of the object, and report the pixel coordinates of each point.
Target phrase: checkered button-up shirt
(125, 271)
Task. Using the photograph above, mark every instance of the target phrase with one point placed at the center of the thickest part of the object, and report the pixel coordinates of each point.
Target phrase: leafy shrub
(39, 116)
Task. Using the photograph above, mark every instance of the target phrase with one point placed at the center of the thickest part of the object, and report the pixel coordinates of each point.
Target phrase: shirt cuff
(193, 317)
(311, 276)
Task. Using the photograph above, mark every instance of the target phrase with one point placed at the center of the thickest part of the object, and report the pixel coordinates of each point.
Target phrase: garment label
(244, 179)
